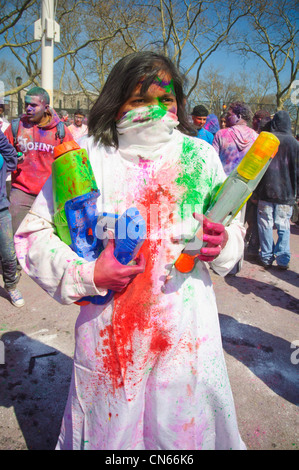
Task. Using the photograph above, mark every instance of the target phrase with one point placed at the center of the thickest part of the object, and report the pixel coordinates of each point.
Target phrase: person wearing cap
(199, 117)
(36, 137)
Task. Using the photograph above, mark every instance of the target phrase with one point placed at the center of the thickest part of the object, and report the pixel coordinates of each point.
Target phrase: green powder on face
(168, 86)
(153, 113)
(194, 178)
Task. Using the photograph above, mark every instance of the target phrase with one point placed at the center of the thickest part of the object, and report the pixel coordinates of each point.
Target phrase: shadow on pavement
(4, 294)
(34, 380)
(267, 291)
(270, 358)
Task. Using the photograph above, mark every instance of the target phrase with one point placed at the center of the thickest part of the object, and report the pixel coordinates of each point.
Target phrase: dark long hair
(121, 82)
(241, 109)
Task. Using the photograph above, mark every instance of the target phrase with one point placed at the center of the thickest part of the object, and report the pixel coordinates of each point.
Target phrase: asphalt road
(258, 312)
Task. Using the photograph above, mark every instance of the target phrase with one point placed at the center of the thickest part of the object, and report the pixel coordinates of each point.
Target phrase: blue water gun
(76, 217)
(88, 236)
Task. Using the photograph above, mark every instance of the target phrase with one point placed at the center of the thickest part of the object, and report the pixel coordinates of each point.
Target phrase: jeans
(271, 215)
(7, 251)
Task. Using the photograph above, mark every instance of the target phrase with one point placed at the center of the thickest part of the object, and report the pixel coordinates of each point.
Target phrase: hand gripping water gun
(77, 220)
(233, 194)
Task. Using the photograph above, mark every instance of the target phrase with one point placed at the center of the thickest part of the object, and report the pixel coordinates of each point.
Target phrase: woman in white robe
(149, 370)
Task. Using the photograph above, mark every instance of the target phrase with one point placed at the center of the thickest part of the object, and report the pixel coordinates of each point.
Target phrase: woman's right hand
(110, 274)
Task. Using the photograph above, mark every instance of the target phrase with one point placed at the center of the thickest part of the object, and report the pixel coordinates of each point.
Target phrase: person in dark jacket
(8, 162)
(260, 122)
(277, 193)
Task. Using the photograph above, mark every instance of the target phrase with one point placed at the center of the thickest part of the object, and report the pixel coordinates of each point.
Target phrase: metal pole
(47, 47)
(47, 31)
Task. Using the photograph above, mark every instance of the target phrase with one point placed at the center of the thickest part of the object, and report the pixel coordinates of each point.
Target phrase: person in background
(199, 117)
(222, 121)
(235, 140)
(277, 193)
(8, 258)
(259, 119)
(260, 122)
(36, 136)
(212, 124)
(149, 370)
(232, 143)
(78, 129)
(3, 121)
(64, 116)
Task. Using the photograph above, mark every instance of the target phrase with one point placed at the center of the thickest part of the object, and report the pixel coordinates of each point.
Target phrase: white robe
(149, 370)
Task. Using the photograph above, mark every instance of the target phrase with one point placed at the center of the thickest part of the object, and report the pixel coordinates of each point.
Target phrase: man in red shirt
(36, 137)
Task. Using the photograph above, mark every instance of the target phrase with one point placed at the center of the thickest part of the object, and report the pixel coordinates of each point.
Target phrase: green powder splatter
(168, 86)
(194, 178)
(188, 293)
(153, 113)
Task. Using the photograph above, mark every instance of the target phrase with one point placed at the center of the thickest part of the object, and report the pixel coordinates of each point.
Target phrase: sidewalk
(258, 311)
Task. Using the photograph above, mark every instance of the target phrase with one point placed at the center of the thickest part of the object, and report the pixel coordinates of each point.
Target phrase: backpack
(60, 130)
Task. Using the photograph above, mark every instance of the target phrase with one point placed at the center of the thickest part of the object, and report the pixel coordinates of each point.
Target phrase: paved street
(258, 311)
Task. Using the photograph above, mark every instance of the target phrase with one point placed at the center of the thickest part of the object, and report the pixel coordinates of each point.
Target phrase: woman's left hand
(214, 235)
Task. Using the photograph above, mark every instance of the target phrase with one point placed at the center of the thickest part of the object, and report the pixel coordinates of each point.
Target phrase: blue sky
(228, 63)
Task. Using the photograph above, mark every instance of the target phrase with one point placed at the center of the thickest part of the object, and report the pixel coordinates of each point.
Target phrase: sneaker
(16, 297)
(283, 267)
(266, 264)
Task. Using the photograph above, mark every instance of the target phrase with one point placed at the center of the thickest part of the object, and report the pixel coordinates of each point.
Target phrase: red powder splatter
(187, 426)
(108, 355)
(134, 312)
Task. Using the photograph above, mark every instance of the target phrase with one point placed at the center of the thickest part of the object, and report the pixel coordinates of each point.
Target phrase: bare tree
(271, 36)
(90, 30)
(97, 38)
(11, 13)
(95, 34)
(14, 15)
(191, 31)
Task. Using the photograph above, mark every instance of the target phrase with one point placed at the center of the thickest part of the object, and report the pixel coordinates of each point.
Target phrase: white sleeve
(47, 260)
(232, 251)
